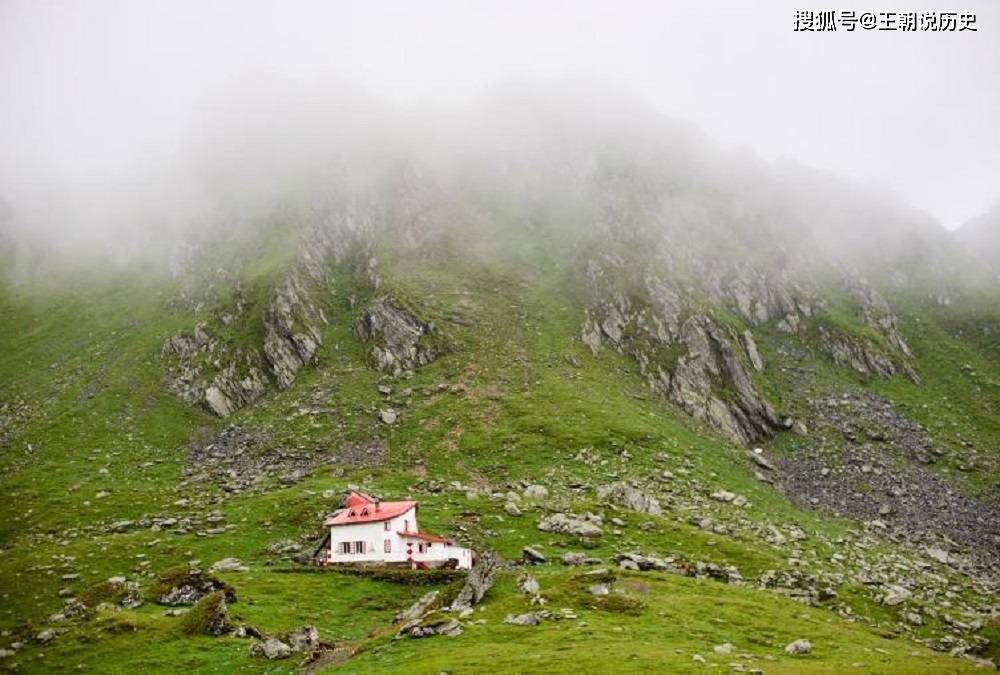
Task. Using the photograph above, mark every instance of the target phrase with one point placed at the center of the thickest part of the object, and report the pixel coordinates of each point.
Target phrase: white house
(369, 531)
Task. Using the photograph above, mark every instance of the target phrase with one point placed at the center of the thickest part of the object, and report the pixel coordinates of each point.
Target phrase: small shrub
(104, 591)
(619, 603)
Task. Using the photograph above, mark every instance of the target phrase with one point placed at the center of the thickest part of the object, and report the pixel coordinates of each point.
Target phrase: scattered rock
(536, 492)
(896, 595)
(417, 609)
(529, 619)
(304, 639)
(436, 623)
(532, 556)
(938, 554)
(599, 589)
(801, 646)
(587, 525)
(229, 565)
(186, 586)
(271, 648)
(528, 584)
(623, 494)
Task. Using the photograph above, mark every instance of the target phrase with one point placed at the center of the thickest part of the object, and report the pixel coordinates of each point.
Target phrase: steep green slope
(98, 457)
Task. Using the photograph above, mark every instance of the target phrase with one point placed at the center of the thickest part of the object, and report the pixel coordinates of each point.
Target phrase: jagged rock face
(205, 370)
(875, 312)
(660, 302)
(691, 362)
(230, 390)
(709, 367)
(862, 357)
(755, 295)
(750, 348)
(396, 336)
(292, 330)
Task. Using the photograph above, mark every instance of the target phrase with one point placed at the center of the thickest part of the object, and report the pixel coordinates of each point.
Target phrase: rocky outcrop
(236, 385)
(750, 348)
(292, 334)
(672, 310)
(242, 375)
(213, 367)
(399, 340)
(875, 312)
(711, 383)
(857, 354)
(688, 356)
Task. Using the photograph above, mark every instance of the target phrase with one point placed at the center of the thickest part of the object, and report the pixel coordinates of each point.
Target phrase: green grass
(103, 441)
(680, 618)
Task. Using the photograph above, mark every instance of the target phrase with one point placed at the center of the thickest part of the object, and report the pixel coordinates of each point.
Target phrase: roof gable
(359, 508)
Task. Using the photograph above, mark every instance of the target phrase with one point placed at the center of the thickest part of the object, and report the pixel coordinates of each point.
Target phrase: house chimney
(377, 502)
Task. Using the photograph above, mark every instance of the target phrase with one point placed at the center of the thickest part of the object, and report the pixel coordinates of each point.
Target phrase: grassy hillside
(91, 438)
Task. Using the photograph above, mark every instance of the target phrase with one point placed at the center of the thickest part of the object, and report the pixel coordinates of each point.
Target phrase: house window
(406, 526)
(420, 548)
(388, 525)
(388, 545)
(359, 547)
(345, 547)
(364, 511)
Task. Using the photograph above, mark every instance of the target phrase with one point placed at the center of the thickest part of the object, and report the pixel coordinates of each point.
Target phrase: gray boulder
(529, 619)
(271, 648)
(478, 581)
(801, 646)
(229, 565)
(304, 639)
(623, 494)
(587, 525)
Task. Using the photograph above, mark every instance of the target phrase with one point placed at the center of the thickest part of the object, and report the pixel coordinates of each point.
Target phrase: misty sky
(92, 88)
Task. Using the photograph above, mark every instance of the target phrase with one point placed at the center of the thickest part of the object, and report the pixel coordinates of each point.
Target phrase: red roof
(361, 508)
(424, 536)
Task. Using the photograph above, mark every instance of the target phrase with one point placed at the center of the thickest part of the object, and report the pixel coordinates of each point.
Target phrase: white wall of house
(374, 535)
(437, 552)
(378, 536)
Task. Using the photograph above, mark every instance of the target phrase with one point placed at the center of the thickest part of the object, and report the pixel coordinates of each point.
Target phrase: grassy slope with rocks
(91, 438)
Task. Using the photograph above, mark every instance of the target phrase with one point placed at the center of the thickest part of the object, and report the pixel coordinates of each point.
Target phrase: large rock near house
(478, 581)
